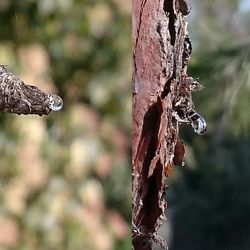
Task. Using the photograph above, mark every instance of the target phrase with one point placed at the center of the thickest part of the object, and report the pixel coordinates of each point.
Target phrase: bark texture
(20, 98)
(159, 67)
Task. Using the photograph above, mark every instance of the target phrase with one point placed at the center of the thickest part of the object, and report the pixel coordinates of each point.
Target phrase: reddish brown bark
(159, 31)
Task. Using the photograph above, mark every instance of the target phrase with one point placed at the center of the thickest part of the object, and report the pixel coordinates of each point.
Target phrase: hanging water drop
(199, 124)
(55, 102)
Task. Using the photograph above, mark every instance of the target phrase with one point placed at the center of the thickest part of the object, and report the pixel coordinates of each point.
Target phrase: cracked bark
(159, 30)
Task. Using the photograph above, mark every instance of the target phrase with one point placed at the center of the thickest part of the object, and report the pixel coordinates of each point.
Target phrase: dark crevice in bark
(151, 198)
(168, 7)
(151, 124)
(166, 89)
(187, 51)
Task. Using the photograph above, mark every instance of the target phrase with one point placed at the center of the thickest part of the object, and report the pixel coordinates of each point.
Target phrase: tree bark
(159, 36)
(20, 98)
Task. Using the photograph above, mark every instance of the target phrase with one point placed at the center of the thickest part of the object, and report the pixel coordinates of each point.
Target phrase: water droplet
(199, 125)
(55, 102)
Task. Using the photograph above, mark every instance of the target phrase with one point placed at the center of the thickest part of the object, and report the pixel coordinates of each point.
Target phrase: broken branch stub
(20, 98)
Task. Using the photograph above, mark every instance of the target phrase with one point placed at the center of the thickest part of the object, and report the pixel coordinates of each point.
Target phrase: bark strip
(159, 30)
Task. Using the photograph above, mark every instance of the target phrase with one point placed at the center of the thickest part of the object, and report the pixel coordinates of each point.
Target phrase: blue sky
(245, 5)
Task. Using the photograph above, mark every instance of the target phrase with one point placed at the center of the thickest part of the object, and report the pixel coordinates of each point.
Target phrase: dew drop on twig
(55, 102)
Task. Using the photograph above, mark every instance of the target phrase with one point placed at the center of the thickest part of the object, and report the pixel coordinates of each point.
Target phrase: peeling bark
(161, 51)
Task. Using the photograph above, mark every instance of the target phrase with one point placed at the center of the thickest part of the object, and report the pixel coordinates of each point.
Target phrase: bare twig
(20, 98)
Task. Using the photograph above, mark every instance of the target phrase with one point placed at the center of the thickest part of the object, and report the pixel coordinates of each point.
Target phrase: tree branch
(20, 98)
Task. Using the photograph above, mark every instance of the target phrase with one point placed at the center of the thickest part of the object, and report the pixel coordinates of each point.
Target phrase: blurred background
(65, 178)
(209, 199)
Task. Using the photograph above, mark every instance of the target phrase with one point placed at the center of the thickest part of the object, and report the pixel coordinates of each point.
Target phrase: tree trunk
(161, 50)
